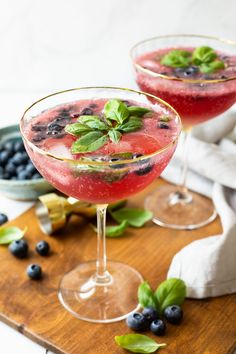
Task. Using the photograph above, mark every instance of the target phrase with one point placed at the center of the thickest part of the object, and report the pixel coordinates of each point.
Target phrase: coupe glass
(196, 101)
(99, 291)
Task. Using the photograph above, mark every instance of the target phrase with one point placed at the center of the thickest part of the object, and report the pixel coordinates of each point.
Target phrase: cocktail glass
(196, 100)
(99, 291)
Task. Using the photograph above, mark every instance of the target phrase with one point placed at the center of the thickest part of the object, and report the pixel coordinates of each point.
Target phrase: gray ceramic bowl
(21, 190)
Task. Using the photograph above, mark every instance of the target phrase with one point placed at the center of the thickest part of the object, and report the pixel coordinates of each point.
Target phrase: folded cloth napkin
(208, 266)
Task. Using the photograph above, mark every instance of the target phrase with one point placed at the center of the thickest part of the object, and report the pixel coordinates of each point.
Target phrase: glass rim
(157, 75)
(102, 163)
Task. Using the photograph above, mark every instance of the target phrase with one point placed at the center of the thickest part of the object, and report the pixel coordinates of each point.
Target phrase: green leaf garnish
(116, 110)
(117, 230)
(10, 233)
(134, 216)
(203, 55)
(114, 135)
(177, 58)
(146, 297)
(138, 111)
(94, 131)
(170, 292)
(90, 142)
(165, 119)
(138, 343)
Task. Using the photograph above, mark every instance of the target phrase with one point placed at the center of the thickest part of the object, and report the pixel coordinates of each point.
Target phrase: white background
(49, 45)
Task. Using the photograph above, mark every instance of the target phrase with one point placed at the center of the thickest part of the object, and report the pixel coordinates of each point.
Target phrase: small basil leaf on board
(138, 343)
(170, 292)
(176, 58)
(114, 135)
(93, 122)
(138, 111)
(135, 217)
(132, 124)
(116, 110)
(203, 54)
(77, 129)
(10, 233)
(117, 230)
(146, 296)
(90, 142)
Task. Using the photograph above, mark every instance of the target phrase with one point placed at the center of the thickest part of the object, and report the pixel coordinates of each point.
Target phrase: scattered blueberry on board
(137, 321)
(173, 314)
(3, 219)
(42, 248)
(158, 327)
(34, 271)
(19, 248)
(15, 163)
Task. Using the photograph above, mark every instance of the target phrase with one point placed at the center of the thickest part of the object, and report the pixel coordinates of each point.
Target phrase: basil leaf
(133, 123)
(93, 122)
(77, 129)
(138, 111)
(135, 217)
(212, 67)
(10, 233)
(138, 343)
(203, 54)
(170, 292)
(176, 58)
(89, 142)
(117, 230)
(114, 135)
(146, 296)
(116, 110)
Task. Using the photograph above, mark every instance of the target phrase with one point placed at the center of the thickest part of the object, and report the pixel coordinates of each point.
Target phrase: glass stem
(184, 171)
(102, 275)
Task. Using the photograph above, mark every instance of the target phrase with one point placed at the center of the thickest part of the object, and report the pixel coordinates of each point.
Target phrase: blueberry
(137, 155)
(55, 127)
(30, 168)
(173, 314)
(137, 321)
(39, 128)
(116, 159)
(4, 156)
(87, 112)
(19, 248)
(144, 171)
(36, 176)
(34, 271)
(38, 138)
(158, 327)
(75, 115)
(9, 147)
(19, 146)
(1, 170)
(11, 169)
(6, 175)
(163, 125)
(190, 71)
(3, 218)
(150, 313)
(17, 159)
(24, 157)
(23, 175)
(42, 248)
(20, 168)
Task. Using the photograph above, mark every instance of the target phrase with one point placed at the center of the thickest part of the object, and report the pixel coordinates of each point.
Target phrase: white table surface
(51, 45)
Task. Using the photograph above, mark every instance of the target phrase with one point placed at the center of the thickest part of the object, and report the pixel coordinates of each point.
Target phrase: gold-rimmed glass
(196, 100)
(98, 291)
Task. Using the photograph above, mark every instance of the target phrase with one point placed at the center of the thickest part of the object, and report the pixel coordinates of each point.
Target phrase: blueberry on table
(137, 321)
(34, 271)
(19, 248)
(42, 248)
(158, 327)
(173, 314)
(150, 313)
(3, 218)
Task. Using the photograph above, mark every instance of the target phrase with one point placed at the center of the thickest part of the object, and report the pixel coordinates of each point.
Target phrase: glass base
(107, 300)
(180, 210)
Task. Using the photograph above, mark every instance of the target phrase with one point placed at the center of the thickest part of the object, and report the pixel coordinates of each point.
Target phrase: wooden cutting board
(33, 308)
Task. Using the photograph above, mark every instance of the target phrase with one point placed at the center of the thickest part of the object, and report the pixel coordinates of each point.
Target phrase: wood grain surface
(32, 307)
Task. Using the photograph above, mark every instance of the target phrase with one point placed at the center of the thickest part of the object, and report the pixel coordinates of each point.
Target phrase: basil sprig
(170, 292)
(94, 131)
(204, 57)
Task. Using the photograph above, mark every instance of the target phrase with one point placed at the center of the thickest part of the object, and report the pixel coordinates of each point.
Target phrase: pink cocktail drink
(196, 96)
(115, 180)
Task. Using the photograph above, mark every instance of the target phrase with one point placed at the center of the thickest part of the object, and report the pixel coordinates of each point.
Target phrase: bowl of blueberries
(19, 179)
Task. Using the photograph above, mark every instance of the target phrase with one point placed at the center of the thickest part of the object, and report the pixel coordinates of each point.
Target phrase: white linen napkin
(208, 266)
